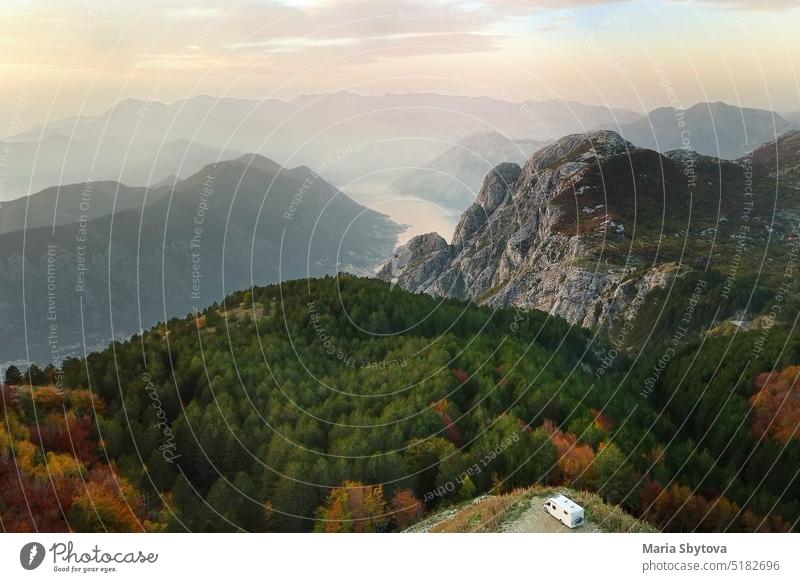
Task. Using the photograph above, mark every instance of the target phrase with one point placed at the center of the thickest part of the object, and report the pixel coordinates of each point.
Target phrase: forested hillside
(347, 404)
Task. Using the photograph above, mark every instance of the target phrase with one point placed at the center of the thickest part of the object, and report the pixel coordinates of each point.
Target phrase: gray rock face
(509, 250)
(418, 263)
(497, 185)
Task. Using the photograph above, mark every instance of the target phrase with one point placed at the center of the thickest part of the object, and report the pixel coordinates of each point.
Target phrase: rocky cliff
(585, 230)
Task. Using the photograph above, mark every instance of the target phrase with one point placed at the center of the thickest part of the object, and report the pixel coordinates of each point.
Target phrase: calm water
(421, 216)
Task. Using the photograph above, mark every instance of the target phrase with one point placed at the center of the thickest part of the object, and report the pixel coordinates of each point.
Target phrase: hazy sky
(62, 57)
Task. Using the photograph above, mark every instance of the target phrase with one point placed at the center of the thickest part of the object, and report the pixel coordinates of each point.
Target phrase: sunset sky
(62, 57)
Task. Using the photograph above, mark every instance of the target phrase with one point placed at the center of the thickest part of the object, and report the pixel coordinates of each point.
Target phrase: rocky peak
(416, 262)
(426, 244)
(496, 186)
(563, 163)
(511, 247)
(579, 147)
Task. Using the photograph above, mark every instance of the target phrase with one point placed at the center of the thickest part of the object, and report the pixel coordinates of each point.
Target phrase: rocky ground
(521, 511)
(534, 519)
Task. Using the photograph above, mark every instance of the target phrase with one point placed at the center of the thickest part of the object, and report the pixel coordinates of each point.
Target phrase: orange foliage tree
(776, 405)
(354, 507)
(51, 477)
(602, 421)
(574, 460)
(406, 508)
(107, 503)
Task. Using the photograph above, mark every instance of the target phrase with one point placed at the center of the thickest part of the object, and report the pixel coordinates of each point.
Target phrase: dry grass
(482, 516)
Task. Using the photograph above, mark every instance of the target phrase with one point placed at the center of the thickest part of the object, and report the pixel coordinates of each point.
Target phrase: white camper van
(564, 510)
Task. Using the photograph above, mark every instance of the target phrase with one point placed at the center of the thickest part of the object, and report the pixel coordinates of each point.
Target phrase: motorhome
(565, 510)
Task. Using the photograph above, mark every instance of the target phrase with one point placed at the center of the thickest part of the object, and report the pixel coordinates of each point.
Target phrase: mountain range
(585, 229)
(341, 135)
(164, 252)
(256, 386)
(71, 203)
(714, 129)
(404, 142)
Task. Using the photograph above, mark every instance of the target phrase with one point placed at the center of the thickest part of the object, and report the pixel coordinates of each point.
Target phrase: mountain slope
(591, 225)
(70, 203)
(299, 387)
(233, 224)
(713, 129)
(780, 158)
(452, 178)
(346, 404)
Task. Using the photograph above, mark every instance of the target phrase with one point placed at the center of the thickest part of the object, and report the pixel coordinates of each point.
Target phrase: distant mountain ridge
(72, 203)
(232, 224)
(714, 129)
(344, 135)
(340, 135)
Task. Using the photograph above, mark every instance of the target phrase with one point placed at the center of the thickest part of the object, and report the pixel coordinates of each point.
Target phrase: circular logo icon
(31, 555)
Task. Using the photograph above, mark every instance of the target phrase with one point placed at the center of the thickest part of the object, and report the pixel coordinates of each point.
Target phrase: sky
(79, 57)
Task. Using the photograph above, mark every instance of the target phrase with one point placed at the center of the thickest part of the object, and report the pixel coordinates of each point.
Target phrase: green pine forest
(346, 404)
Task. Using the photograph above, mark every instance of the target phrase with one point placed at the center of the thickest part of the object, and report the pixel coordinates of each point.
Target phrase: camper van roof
(565, 501)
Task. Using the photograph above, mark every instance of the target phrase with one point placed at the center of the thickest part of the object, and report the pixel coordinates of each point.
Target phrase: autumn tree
(776, 405)
(574, 459)
(354, 507)
(406, 508)
(109, 503)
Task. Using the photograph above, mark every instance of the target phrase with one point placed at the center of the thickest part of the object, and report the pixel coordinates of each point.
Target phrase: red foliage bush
(776, 405)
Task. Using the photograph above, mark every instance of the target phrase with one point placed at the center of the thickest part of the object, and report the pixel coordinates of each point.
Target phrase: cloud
(764, 5)
(534, 5)
(124, 34)
(365, 30)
